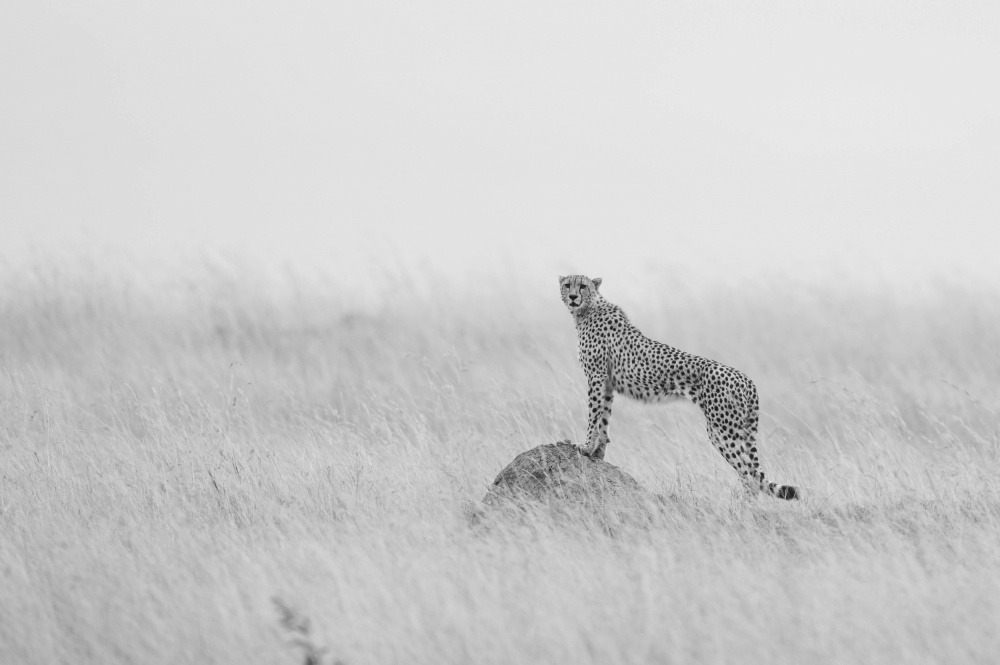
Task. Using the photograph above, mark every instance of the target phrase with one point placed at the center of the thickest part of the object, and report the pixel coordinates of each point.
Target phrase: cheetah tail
(784, 491)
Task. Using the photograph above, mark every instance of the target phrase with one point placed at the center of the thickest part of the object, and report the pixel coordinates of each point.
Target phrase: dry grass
(178, 453)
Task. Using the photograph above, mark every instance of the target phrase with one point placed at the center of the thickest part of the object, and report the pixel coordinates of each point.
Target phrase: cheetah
(618, 358)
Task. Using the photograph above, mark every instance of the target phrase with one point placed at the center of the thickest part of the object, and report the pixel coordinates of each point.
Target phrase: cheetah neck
(592, 311)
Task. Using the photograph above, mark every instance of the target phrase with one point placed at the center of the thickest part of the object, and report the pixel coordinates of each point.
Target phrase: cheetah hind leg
(787, 492)
(739, 462)
(756, 477)
(743, 458)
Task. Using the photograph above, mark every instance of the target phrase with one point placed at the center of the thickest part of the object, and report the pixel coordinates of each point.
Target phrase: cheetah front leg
(600, 395)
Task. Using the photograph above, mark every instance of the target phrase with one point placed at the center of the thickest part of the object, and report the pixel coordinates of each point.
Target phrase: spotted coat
(618, 358)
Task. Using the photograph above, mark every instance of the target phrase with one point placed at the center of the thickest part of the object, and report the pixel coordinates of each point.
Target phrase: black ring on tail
(787, 492)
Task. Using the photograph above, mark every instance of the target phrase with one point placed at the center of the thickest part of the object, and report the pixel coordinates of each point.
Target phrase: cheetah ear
(597, 283)
(561, 278)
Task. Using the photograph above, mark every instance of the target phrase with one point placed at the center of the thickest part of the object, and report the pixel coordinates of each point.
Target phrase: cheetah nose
(572, 297)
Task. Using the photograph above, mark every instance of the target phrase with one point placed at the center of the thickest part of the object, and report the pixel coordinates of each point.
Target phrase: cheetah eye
(583, 286)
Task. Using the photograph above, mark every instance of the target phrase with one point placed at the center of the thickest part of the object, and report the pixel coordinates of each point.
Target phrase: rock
(557, 477)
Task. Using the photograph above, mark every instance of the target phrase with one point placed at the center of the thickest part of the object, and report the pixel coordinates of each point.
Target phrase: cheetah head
(579, 292)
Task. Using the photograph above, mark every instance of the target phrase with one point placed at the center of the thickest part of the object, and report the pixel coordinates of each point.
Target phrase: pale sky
(698, 133)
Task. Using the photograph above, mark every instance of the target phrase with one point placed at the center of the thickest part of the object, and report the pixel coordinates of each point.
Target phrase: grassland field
(194, 462)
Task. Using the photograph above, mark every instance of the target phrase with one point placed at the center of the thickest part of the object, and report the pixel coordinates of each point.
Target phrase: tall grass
(182, 448)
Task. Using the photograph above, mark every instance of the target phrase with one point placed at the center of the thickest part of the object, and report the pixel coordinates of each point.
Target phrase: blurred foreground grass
(179, 448)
